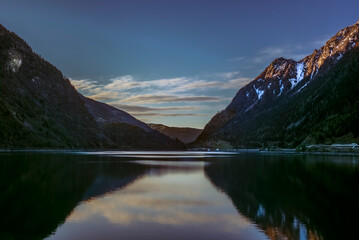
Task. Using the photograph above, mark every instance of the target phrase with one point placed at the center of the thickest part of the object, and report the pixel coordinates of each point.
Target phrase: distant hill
(314, 100)
(185, 135)
(39, 108)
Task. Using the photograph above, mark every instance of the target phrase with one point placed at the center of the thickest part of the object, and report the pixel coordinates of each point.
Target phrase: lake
(178, 195)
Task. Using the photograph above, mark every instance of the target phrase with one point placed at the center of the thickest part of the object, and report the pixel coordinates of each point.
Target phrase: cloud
(124, 84)
(237, 83)
(141, 109)
(272, 53)
(296, 52)
(170, 114)
(85, 85)
(287, 52)
(228, 74)
(165, 97)
(150, 98)
(163, 200)
(129, 82)
(237, 59)
(102, 95)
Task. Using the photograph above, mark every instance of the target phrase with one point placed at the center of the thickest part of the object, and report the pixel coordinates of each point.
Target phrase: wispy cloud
(237, 59)
(228, 75)
(271, 53)
(142, 109)
(128, 90)
(296, 52)
(85, 85)
(170, 114)
(171, 85)
(166, 97)
(150, 98)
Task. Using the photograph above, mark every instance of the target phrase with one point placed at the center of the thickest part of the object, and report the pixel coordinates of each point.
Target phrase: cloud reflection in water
(177, 203)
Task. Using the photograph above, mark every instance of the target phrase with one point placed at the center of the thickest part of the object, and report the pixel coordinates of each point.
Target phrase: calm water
(183, 195)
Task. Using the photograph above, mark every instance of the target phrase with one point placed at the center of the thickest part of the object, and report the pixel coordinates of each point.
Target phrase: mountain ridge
(39, 108)
(184, 134)
(280, 81)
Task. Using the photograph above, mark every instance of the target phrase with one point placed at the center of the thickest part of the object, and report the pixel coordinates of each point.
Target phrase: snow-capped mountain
(282, 80)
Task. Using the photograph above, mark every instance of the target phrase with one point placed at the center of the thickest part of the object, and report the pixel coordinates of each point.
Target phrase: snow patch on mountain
(15, 61)
(339, 57)
(281, 88)
(300, 75)
(300, 89)
(259, 92)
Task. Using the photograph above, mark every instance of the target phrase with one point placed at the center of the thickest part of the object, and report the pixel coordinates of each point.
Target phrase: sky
(174, 62)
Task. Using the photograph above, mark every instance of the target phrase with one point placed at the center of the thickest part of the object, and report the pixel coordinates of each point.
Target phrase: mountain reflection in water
(177, 196)
(292, 196)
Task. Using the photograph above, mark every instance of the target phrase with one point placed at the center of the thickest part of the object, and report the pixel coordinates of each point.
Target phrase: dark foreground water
(184, 195)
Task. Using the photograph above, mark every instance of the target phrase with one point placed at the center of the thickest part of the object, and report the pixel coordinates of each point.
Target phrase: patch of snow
(15, 61)
(259, 92)
(314, 72)
(260, 80)
(281, 88)
(293, 81)
(339, 57)
(270, 84)
(15, 64)
(300, 71)
(300, 75)
(353, 44)
(300, 89)
(247, 94)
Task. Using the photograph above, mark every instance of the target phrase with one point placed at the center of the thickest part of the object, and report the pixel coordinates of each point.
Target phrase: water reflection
(38, 191)
(293, 197)
(246, 196)
(167, 203)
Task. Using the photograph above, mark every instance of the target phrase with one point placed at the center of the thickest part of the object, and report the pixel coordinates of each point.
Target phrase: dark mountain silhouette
(185, 135)
(39, 108)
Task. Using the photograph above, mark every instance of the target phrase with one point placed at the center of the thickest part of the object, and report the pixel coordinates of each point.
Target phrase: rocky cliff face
(283, 79)
(39, 108)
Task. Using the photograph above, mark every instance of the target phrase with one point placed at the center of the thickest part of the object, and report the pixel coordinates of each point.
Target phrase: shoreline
(237, 151)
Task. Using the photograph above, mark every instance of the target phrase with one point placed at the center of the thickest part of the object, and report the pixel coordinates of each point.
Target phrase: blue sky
(172, 62)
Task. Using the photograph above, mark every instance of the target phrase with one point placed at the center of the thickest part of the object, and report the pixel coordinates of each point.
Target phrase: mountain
(39, 108)
(313, 100)
(185, 135)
